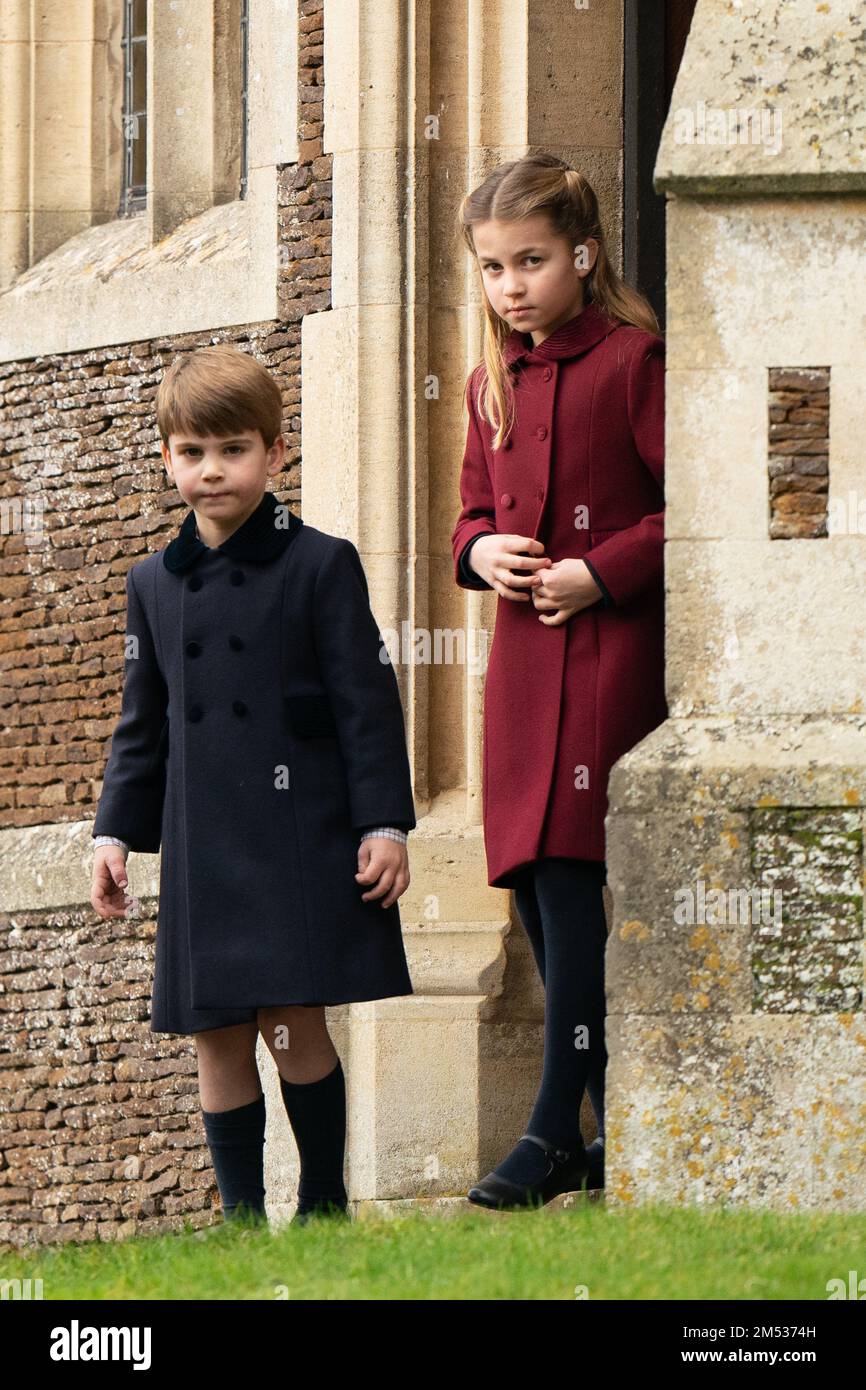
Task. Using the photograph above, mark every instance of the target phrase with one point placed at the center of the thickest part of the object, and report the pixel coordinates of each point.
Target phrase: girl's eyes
(494, 265)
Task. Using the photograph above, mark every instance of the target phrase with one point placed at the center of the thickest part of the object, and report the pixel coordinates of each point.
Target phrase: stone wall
(736, 1041)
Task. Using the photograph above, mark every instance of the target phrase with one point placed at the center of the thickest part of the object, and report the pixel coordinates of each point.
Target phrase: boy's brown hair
(218, 390)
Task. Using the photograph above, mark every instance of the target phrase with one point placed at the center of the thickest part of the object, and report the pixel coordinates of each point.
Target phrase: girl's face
(533, 278)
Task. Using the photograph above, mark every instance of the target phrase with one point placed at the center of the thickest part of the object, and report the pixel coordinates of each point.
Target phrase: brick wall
(799, 451)
(100, 1129)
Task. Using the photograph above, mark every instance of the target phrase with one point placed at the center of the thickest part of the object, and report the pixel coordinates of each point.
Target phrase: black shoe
(595, 1159)
(566, 1171)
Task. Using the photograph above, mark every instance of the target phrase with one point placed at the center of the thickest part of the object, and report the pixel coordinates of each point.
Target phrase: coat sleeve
(363, 692)
(633, 559)
(606, 597)
(133, 789)
(478, 515)
(465, 563)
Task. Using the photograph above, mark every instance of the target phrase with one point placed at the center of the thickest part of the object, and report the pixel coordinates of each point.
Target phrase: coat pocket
(311, 716)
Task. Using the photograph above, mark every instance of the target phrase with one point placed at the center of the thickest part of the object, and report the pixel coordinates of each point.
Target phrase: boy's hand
(385, 863)
(107, 889)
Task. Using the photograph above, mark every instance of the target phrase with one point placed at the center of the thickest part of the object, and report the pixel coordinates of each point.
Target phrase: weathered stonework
(727, 1082)
(101, 1135)
(808, 957)
(737, 1048)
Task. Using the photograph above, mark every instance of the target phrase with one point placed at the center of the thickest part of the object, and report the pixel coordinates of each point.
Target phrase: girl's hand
(385, 863)
(496, 557)
(108, 894)
(563, 590)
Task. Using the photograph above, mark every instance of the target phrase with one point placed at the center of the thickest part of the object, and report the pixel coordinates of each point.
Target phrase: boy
(261, 745)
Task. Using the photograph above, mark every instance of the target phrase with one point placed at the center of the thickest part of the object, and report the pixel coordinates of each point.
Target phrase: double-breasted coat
(261, 730)
(583, 472)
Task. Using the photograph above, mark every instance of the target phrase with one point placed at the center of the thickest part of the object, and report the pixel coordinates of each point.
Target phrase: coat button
(193, 648)
(239, 707)
(195, 582)
(547, 374)
(194, 713)
(541, 431)
(539, 492)
(235, 643)
(507, 500)
(237, 577)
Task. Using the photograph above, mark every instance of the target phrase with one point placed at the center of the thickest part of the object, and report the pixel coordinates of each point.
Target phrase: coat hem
(277, 1004)
(507, 878)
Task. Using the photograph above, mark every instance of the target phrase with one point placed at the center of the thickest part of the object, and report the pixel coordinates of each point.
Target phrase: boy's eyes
(232, 448)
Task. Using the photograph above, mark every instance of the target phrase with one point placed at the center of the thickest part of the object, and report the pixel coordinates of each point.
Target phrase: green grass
(652, 1252)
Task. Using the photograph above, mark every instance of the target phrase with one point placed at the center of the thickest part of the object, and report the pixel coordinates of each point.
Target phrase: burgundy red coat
(583, 472)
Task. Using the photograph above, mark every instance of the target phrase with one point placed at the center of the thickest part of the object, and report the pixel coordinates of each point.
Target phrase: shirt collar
(574, 336)
(261, 538)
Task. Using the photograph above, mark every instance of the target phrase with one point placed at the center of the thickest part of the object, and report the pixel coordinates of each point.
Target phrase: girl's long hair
(542, 183)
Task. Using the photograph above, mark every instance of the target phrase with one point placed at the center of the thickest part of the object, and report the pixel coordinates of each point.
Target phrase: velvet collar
(261, 538)
(568, 340)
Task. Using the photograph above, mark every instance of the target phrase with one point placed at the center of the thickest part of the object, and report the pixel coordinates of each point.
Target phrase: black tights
(562, 911)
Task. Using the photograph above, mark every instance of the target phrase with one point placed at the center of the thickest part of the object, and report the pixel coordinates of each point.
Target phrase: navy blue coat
(260, 732)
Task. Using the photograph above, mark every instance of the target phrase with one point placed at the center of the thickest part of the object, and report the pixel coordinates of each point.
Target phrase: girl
(563, 517)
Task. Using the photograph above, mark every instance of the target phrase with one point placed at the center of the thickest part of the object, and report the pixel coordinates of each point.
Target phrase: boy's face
(222, 477)
(525, 266)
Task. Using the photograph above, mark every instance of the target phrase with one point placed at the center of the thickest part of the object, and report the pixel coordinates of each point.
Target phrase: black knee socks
(236, 1141)
(317, 1114)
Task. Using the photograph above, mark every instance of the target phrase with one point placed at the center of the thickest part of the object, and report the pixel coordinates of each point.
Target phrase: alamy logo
(22, 516)
(855, 1289)
(20, 1288)
(729, 125)
(76, 1343)
(714, 906)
